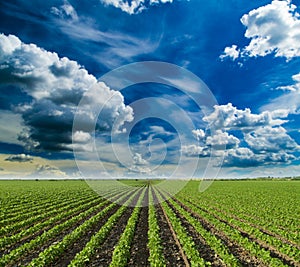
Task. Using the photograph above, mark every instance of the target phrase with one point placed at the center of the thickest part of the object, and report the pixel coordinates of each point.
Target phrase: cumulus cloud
(231, 52)
(270, 139)
(273, 28)
(134, 6)
(195, 151)
(139, 165)
(254, 139)
(138, 159)
(222, 140)
(56, 85)
(244, 157)
(199, 134)
(230, 117)
(19, 158)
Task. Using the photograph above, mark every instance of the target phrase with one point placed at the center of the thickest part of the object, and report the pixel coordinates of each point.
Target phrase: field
(233, 223)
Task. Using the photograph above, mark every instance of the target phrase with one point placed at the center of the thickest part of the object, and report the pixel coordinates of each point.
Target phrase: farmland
(233, 223)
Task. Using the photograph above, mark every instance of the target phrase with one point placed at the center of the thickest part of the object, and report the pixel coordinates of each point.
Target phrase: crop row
(84, 257)
(51, 233)
(235, 235)
(156, 258)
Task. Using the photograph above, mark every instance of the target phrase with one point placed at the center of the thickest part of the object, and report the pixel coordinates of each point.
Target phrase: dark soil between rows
(171, 251)
(26, 239)
(244, 257)
(206, 252)
(29, 256)
(273, 251)
(76, 247)
(139, 252)
(103, 255)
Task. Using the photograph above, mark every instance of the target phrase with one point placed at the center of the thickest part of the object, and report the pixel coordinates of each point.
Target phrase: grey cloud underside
(55, 87)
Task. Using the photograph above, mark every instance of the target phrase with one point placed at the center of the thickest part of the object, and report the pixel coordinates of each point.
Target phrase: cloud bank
(55, 86)
(250, 139)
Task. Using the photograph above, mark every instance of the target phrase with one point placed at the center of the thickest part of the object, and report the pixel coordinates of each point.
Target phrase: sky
(149, 88)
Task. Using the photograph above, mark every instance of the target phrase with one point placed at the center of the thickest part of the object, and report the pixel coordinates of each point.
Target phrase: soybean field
(232, 223)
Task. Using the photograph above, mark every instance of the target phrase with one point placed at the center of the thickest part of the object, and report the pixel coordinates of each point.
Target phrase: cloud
(273, 28)
(48, 171)
(231, 52)
(9, 131)
(134, 6)
(294, 87)
(244, 157)
(138, 160)
(195, 151)
(19, 158)
(65, 11)
(199, 134)
(229, 117)
(222, 140)
(241, 157)
(55, 86)
(254, 139)
(116, 46)
(290, 99)
(270, 139)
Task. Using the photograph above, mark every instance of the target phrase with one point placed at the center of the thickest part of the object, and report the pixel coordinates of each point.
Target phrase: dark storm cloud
(55, 86)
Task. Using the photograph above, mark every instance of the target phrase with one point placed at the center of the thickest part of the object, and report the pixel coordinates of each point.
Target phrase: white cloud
(254, 139)
(56, 86)
(231, 52)
(229, 117)
(19, 158)
(134, 6)
(273, 28)
(195, 151)
(199, 134)
(294, 87)
(138, 159)
(289, 100)
(81, 137)
(222, 140)
(118, 46)
(65, 11)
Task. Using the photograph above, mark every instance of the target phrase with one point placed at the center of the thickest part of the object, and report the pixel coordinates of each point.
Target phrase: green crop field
(233, 223)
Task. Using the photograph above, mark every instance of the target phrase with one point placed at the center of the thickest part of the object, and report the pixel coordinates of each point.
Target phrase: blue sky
(52, 55)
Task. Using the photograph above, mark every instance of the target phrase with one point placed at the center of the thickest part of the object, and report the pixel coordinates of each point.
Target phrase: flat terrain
(233, 223)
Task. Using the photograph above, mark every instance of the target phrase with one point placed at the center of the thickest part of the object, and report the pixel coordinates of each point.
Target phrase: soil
(244, 257)
(139, 252)
(206, 252)
(171, 251)
(103, 254)
(8, 248)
